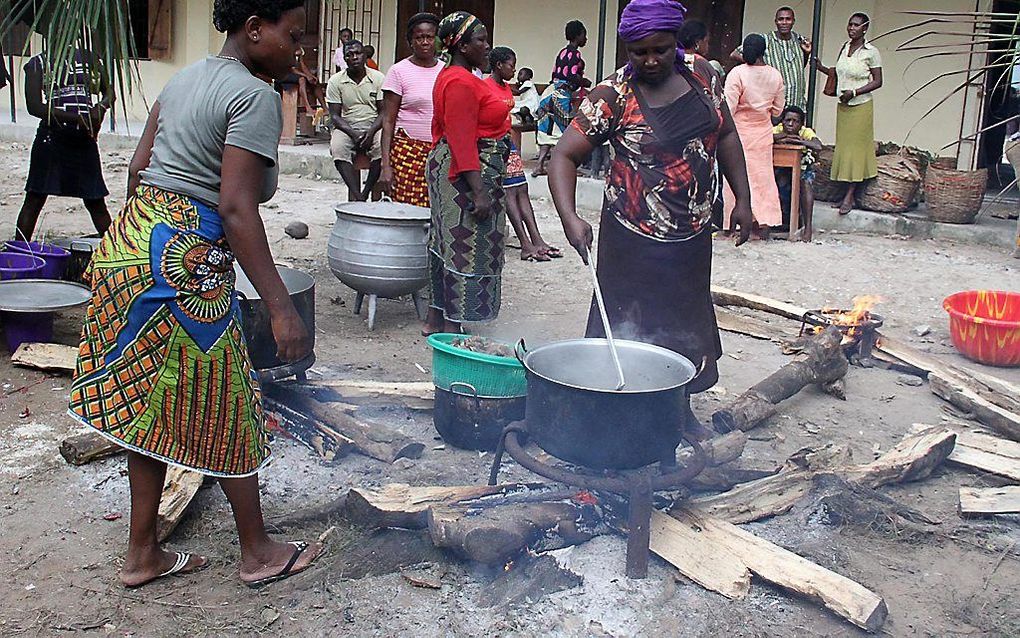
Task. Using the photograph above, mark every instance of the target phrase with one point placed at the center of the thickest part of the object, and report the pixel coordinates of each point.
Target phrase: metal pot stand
(637, 486)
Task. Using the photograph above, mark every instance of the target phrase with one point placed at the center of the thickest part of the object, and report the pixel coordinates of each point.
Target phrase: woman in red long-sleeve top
(465, 173)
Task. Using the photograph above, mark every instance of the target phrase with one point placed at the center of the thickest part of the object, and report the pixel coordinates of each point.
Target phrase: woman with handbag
(857, 73)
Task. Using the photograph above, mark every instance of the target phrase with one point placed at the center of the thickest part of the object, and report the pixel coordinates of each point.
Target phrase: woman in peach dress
(755, 94)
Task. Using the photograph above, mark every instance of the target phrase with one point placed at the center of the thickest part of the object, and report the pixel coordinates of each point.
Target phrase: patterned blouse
(662, 188)
(569, 66)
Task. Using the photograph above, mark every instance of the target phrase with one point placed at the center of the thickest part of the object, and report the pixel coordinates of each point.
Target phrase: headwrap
(454, 28)
(642, 18)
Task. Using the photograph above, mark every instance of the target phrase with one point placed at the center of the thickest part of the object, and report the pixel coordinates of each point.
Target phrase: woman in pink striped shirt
(407, 115)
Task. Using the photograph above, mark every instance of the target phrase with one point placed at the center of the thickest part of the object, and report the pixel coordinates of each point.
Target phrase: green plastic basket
(490, 375)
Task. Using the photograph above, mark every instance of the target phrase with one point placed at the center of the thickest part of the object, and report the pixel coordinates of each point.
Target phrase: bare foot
(550, 251)
(151, 565)
(533, 253)
(272, 561)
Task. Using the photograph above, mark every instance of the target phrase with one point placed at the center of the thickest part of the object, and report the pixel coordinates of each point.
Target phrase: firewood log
(179, 489)
(821, 362)
(87, 447)
(494, 535)
(376, 440)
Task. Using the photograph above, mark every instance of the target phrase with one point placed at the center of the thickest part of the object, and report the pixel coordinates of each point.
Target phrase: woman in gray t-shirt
(163, 369)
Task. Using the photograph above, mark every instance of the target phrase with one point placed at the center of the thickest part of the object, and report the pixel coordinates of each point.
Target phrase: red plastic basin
(985, 325)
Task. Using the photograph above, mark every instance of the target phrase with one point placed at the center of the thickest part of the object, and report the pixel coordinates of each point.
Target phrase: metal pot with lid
(380, 249)
(575, 413)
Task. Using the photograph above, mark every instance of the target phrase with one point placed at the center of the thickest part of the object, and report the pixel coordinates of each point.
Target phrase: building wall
(534, 30)
(895, 115)
(192, 38)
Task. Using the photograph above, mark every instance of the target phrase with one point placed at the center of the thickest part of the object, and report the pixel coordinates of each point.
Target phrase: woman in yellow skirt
(858, 74)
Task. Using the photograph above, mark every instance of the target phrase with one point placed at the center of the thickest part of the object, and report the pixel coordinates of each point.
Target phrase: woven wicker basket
(825, 189)
(896, 187)
(954, 197)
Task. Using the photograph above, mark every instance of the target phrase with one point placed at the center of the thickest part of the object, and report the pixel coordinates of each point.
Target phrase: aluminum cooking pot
(380, 248)
(575, 413)
(258, 329)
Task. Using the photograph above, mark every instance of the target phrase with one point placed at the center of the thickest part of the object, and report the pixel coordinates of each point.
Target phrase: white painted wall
(534, 30)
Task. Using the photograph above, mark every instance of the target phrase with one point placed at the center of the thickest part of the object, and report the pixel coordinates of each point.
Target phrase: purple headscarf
(642, 18)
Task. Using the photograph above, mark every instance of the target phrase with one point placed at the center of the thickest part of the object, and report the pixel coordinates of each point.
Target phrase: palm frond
(100, 26)
(995, 35)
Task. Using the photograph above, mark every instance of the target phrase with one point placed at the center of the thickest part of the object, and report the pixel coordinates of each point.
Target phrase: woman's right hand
(580, 235)
(293, 342)
(385, 182)
(483, 205)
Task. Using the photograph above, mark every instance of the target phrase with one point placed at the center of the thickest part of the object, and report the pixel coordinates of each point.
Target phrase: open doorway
(484, 10)
(725, 22)
(1001, 104)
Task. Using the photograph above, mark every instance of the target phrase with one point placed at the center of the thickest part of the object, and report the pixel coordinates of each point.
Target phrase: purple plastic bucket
(27, 327)
(55, 257)
(15, 265)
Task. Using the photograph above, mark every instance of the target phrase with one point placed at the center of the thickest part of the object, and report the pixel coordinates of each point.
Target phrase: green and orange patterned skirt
(163, 368)
(465, 254)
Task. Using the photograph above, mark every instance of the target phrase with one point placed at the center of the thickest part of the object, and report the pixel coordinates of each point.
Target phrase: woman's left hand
(742, 218)
(846, 96)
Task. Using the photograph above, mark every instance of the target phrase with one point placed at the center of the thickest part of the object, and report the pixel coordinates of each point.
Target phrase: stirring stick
(605, 322)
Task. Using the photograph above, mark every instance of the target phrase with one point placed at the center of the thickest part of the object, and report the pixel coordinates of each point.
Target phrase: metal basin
(258, 329)
(380, 248)
(574, 412)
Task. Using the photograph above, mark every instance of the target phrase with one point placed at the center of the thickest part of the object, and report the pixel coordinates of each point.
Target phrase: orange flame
(853, 318)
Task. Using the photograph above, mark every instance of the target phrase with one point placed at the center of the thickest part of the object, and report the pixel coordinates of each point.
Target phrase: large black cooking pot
(258, 329)
(471, 422)
(574, 412)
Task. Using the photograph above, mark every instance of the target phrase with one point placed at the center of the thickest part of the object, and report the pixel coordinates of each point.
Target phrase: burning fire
(853, 318)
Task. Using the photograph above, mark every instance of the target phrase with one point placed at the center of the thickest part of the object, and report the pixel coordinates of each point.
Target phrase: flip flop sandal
(288, 569)
(178, 569)
(554, 253)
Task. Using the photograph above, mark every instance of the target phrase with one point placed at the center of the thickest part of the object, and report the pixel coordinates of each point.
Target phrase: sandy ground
(59, 555)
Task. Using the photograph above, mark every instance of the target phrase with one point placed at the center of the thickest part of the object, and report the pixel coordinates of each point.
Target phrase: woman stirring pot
(667, 125)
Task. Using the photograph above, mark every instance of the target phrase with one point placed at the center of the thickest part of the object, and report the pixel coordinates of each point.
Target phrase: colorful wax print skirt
(554, 112)
(408, 158)
(465, 254)
(163, 368)
(514, 169)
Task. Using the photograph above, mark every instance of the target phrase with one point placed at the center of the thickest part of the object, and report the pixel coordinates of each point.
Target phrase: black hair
(421, 18)
(754, 48)
(527, 70)
(499, 55)
(790, 9)
(348, 30)
(794, 109)
(367, 48)
(863, 16)
(230, 15)
(691, 32)
(574, 30)
(352, 43)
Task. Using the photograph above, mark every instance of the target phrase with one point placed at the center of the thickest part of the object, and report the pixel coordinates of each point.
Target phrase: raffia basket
(895, 188)
(825, 189)
(954, 197)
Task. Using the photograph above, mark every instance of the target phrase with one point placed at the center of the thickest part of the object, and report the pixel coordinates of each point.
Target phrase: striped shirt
(414, 85)
(788, 58)
(74, 92)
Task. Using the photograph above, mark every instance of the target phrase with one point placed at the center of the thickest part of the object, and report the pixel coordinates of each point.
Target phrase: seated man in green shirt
(354, 97)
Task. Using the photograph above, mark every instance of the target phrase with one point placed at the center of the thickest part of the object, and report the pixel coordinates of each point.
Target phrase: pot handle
(698, 371)
(472, 390)
(520, 350)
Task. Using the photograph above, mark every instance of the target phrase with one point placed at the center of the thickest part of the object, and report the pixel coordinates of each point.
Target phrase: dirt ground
(59, 555)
